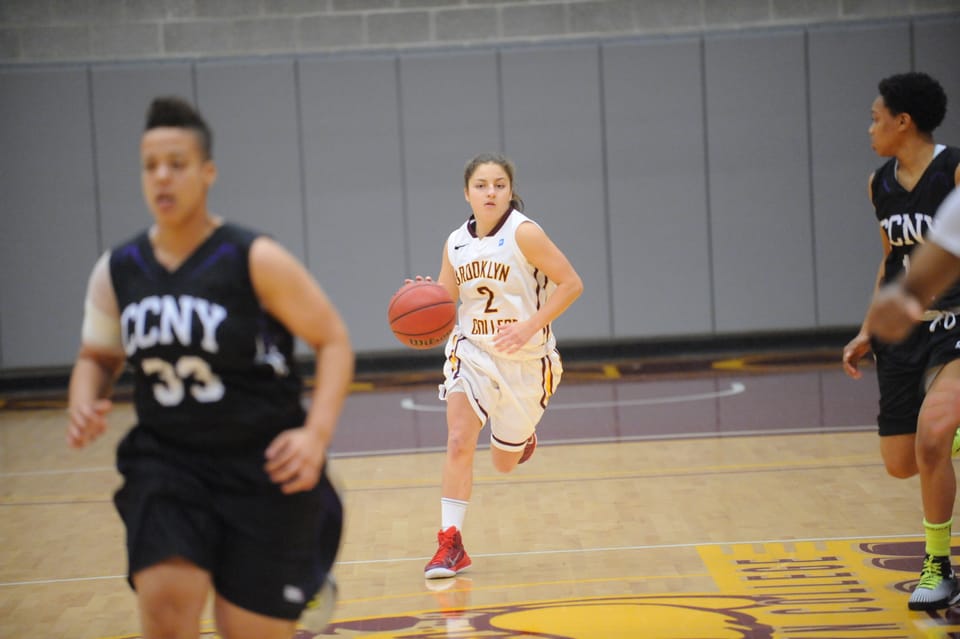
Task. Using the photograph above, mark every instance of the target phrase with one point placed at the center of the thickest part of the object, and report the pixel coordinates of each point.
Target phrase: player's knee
(166, 614)
(899, 456)
(931, 450)
(503, 463)
(171, 597)
(902, 464)
(460, 443)
(901, 470)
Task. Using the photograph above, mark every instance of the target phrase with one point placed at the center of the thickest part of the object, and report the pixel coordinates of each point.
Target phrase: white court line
(532, 553)
(547, 442)
(408, 403)
(622, 439)
(572, 551)
(65, 471)
(65, 580)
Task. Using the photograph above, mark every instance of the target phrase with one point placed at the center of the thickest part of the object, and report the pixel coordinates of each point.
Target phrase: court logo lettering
(801, 590)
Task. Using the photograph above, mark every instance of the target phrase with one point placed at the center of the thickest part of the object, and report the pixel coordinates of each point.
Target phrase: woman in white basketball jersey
(502, 365)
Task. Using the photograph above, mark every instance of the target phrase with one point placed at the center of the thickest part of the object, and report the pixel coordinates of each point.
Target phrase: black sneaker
(938, 585)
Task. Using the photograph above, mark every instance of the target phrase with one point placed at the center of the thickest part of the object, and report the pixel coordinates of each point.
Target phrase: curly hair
(918, 95)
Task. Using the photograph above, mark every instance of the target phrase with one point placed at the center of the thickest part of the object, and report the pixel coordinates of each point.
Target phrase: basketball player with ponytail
(502, 364)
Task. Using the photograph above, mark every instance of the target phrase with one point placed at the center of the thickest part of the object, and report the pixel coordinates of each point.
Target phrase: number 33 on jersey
(200, 343)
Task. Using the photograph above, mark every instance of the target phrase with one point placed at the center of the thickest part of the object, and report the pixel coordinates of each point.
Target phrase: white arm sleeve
(946, 224)
(101, 321)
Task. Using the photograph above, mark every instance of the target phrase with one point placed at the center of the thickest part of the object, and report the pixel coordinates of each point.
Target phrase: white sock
(452, 513)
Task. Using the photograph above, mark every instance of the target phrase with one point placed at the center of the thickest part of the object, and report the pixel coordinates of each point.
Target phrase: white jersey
(498, 285)
(946, 225)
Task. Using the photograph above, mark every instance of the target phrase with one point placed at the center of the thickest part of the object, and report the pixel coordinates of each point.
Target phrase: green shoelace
(930, 576)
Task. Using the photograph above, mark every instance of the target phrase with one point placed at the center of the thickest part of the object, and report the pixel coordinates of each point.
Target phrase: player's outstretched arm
(858, 347)
(98, 362)
(540, 251)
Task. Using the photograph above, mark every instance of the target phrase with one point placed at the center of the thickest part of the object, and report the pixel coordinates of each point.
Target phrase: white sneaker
(316, 616)
(938, 585)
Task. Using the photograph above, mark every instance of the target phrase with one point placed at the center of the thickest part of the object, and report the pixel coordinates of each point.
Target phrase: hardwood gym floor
(693, 498)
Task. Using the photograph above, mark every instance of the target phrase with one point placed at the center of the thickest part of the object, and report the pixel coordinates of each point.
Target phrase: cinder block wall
(88, 30)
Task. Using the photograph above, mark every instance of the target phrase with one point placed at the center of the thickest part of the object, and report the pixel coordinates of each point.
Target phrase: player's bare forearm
(91, 383)
(512, 336)
(932, 270)
(892, 313)
(334, 372)
(562, 297)
(93, 376)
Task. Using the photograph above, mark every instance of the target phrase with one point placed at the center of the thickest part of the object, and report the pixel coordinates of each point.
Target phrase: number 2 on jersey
(490, 308)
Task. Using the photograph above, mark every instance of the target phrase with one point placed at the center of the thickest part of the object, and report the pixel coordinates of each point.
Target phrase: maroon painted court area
(633, 400)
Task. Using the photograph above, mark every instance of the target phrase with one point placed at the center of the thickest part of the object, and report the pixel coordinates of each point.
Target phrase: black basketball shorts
(902, 370)
(266, 552)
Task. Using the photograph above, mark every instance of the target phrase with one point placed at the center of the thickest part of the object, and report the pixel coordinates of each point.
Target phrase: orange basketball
(421, 314)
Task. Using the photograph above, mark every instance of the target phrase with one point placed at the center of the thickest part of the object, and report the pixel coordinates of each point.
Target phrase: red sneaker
(450, 558)
(529, 448)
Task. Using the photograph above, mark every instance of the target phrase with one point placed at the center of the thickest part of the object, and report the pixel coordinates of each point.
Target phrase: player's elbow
(341, 337)
(109, 361)
(575, 286)
(336, 340)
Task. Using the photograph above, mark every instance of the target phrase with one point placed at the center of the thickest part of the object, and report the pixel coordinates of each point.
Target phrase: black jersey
(210, 365)
(905, 216)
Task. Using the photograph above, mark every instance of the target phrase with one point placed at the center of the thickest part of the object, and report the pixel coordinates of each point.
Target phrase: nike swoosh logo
(459, 246)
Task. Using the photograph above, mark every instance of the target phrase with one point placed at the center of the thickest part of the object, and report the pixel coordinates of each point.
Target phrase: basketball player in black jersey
(906, 192)
(898, 306)
(224, 473)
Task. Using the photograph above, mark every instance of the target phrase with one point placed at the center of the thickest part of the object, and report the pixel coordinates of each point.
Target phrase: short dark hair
(173, 111)
(918, 95)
